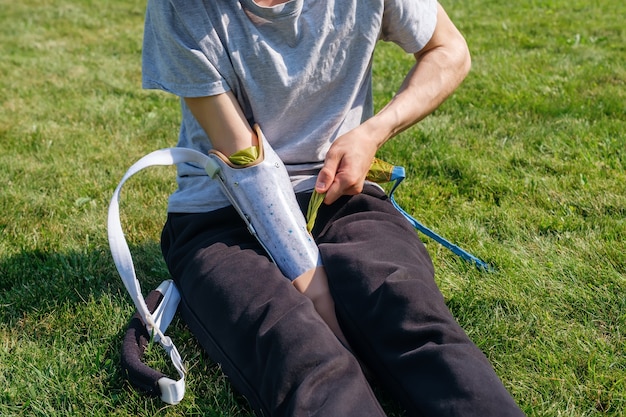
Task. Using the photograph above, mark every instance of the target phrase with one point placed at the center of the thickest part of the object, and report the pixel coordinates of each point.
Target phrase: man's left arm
(439, 69)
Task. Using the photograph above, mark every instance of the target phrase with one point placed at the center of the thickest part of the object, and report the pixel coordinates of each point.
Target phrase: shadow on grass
(74, 305)
(39, 281)
(64, 315)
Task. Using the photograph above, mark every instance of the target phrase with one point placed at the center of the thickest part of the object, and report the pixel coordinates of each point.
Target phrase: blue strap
(397, 176)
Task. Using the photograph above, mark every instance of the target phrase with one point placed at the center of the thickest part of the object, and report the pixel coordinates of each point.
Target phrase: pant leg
(395, 317)
(267, 337)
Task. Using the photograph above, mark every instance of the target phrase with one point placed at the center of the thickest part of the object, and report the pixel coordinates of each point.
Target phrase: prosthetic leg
(262, 194)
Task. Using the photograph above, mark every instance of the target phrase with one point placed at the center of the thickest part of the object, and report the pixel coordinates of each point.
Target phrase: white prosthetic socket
(263, 195)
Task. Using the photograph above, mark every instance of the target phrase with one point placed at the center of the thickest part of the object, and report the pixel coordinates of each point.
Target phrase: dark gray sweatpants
(283, 358)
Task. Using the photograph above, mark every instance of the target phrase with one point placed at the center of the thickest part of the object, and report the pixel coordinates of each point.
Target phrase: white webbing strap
(156, 324)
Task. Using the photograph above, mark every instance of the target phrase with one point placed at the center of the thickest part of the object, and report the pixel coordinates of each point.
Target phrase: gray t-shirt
(301, 70)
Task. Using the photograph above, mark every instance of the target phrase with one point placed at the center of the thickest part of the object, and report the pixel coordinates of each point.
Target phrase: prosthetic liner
(262, 194)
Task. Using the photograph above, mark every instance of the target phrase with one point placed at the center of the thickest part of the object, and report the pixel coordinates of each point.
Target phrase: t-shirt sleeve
(172, 59)
(409, 23)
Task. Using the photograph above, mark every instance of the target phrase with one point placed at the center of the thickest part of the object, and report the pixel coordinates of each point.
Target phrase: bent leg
(395, 317)
(267, 337)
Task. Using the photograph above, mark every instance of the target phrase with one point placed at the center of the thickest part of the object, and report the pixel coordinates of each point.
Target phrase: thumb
(326, 176)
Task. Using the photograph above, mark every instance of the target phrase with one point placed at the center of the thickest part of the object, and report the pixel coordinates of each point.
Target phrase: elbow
(448, 36)
(466, 60)
(463, 58)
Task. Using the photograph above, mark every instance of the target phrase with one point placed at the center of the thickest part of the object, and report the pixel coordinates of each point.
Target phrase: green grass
(525, 166)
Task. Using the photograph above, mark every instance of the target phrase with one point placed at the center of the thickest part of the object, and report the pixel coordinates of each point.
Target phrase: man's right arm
(223, 121)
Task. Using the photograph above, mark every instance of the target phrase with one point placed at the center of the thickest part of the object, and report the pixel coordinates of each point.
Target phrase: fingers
(347, 162)
(343, 185)
(339, 178)
(325, 178)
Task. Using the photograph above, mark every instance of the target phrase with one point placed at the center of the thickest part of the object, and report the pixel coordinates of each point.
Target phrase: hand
(347, 162)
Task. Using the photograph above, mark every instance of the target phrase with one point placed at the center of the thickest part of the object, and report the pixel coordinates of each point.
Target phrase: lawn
(524, 166)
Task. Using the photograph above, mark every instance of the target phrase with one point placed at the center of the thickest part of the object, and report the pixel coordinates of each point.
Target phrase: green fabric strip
(245, 156)
(311, 213)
